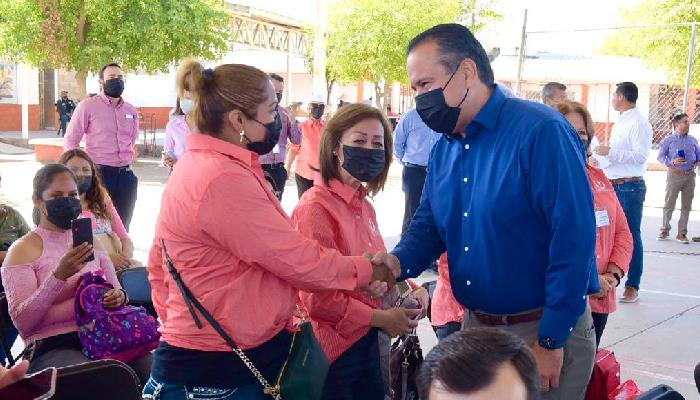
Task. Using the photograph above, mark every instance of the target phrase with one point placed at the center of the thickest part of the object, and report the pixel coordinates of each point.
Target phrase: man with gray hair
(553, 92)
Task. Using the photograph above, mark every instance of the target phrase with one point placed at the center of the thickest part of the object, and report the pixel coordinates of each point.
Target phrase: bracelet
(617, 277)
(126, 297)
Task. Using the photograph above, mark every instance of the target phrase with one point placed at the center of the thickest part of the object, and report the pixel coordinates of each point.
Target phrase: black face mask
(317, 111)
(279, 97)
(363, 164)
(272, 136)
(436, 113)
(114, 87)
(84, 184)
(62, 211)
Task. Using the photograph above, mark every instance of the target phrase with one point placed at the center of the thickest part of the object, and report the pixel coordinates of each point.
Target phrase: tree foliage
(664, 47)
(367, 39)
(83, 35)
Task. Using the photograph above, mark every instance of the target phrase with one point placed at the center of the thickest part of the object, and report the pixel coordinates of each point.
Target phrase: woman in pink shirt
(234, 247)
(41, 274)
(614, 240)
(179, 127)
(107, 226)
(355, 155)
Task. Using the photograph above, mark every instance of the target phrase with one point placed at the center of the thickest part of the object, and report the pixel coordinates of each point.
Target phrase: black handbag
(303, 374)
(406, 359)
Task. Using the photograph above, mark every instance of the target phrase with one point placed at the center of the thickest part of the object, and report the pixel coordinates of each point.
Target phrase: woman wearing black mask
(355, 155)
(107, 226)
(41, 274)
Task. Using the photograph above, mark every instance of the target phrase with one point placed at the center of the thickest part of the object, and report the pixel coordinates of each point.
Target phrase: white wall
(32, 74)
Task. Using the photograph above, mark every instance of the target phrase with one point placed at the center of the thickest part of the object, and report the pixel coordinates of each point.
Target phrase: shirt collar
(628, 113)
(488, 115)
(198, 141)
(108, 101)
(345, 192)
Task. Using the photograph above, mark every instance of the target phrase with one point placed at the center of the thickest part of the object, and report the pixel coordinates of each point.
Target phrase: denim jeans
(631, 196)
(443, 331)
(155, 390)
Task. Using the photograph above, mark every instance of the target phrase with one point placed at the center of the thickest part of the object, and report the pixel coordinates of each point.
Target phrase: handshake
(385, 269)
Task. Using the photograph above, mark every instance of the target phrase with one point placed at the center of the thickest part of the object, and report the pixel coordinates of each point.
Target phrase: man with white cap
(310, 147)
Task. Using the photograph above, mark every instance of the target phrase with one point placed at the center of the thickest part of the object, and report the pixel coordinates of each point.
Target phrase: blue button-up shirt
(668, 151)
(414, 140)
(512, 205)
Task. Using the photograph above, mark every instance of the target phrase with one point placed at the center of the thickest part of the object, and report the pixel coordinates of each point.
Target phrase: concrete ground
(656, 340)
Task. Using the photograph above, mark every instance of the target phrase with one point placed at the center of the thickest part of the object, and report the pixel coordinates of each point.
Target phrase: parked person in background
(355, 156)
(96, 204)
(627, 154)
(110, 127)
(234, 246)
(64, 108)
(414, 142)
(614, 244)
(12, 227)
(479, 364)
(307, 153)
(42, 270)
(553, 92)
(273, 163)
(680, 153)
(446, 313)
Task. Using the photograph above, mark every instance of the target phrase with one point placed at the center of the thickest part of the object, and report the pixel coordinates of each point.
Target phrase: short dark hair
(456, 43)
(677, 118)
(550, 87)
(277, 77)
(628, 90)
(468, 361)
(102, 70)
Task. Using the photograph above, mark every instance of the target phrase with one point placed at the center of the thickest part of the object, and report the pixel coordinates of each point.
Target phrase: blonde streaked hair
(568, 106)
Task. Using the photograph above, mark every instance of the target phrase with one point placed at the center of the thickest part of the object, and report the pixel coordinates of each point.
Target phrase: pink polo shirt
(339, 217)
(237, 251)
(110, 130)
(614, 240)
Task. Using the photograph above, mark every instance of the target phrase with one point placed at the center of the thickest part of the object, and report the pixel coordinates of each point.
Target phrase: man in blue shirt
(412, 146)
(507, 195)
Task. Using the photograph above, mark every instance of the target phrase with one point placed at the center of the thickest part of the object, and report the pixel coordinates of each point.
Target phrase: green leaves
(83, 35)
(665, 48)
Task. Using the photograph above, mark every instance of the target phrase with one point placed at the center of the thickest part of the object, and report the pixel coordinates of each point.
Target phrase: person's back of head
(626, 95)
(479, 363)
(553, 92)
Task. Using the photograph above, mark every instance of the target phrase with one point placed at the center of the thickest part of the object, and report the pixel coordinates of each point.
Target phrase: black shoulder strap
(191, 300)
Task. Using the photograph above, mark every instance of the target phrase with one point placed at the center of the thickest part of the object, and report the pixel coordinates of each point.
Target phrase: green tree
(665, 47)
(367, 39)
(83, 35)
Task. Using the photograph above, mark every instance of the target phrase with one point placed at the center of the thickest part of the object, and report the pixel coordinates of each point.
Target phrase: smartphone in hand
(82, 233)
(38, 386)
(681, 153)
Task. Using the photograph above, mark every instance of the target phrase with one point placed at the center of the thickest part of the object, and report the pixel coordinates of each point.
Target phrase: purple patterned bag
(125, 333)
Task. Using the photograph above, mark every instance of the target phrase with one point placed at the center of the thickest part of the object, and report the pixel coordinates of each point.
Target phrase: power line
(608, 28)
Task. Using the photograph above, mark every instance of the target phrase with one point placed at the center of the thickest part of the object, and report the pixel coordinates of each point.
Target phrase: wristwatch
(617, 277)
(547, 342)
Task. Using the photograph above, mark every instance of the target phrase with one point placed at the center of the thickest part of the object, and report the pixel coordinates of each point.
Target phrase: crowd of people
(494, 187)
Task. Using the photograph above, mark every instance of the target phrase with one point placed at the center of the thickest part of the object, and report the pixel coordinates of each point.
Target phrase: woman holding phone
(42, 270)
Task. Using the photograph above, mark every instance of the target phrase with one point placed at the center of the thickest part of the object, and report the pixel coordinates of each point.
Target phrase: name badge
(129, 116)
(601, 218)
(276, 149)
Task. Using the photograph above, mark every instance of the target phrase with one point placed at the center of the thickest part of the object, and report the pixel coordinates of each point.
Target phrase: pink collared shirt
(110, 130)
(614, 239)
(237, 251)
(339, 217)
(176, 132)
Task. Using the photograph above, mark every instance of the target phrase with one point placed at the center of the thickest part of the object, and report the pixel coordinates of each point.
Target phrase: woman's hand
(73, 261)
(113, 298)
(605, 286)
(119, 261)
(395, 321)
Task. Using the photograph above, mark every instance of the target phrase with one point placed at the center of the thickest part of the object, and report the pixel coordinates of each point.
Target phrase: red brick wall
(11, 117)
(162, 115)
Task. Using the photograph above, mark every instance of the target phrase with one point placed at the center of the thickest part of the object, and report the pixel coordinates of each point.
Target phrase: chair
(103, 379)
(135, 282)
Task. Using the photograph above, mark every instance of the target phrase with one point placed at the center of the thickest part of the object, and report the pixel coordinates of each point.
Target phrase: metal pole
(521, 56)
(691, 54)
(288, 88)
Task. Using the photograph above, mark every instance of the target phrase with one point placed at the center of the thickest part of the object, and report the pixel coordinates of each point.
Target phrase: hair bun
(208, 73)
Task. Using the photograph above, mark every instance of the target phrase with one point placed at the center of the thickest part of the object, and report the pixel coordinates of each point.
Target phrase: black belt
(622, 181)
(279, 165)
(115, 169)
(496, 320)
(408, 164)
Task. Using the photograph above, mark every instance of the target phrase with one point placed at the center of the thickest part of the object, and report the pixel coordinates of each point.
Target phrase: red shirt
(310, 148)
(444, 307)
(614, 240)
(236, 250)
(339, 217)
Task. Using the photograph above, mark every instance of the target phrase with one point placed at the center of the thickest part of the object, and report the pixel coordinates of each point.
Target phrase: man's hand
(602, 150)
(678, 161)
(169, 161)
(390, 260)
(549, 362)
